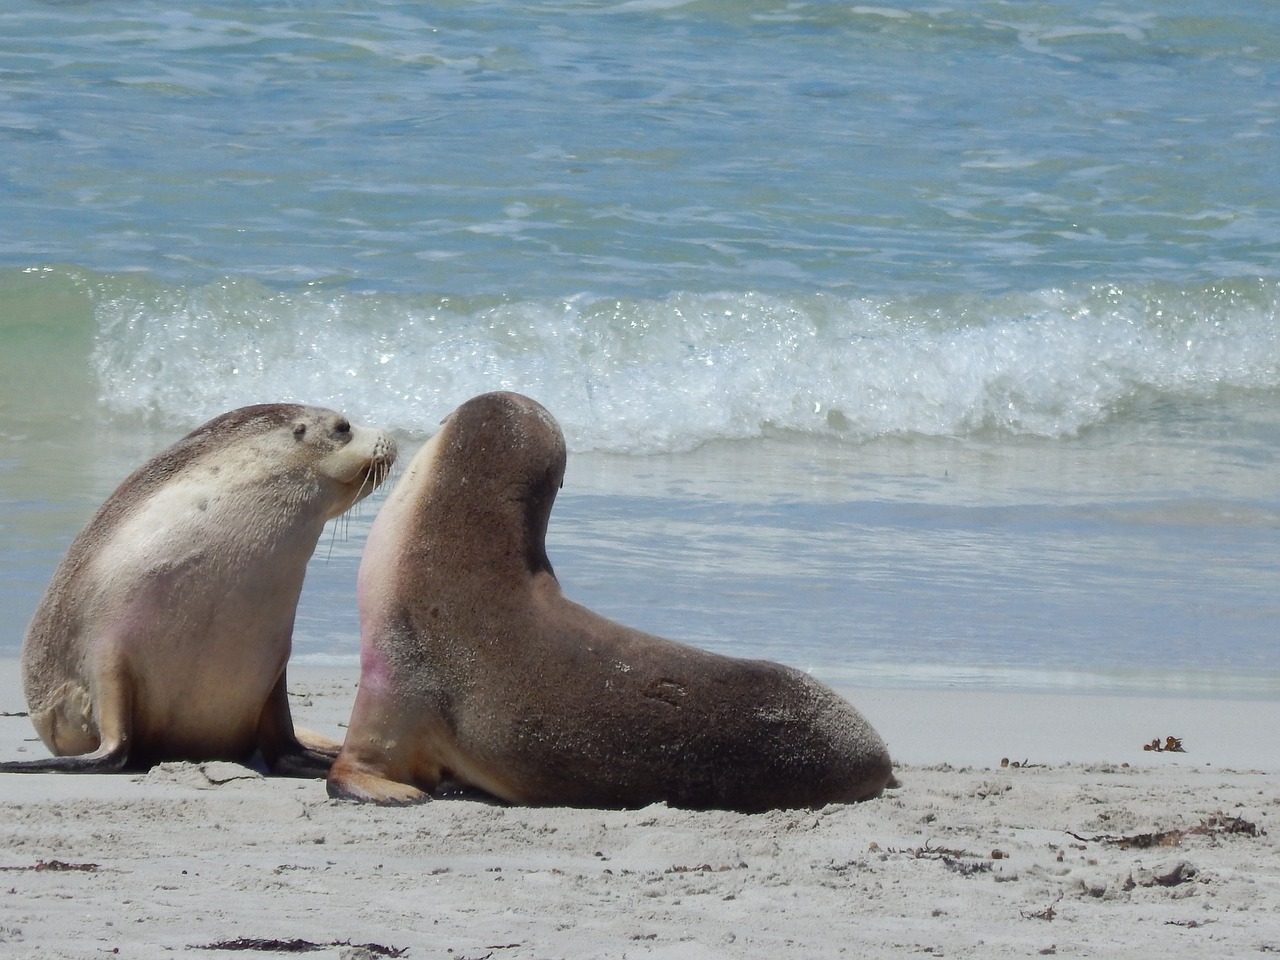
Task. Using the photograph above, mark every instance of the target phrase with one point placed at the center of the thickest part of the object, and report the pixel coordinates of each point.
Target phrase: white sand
(190, 855)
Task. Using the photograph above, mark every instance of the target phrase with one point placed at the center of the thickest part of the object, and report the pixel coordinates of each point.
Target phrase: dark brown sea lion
(475, 669)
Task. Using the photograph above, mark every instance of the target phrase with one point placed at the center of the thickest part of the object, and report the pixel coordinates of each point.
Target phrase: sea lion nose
(385, 449)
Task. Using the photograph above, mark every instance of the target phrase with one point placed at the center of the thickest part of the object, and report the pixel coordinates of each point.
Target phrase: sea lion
(477, 670)
(166, 628)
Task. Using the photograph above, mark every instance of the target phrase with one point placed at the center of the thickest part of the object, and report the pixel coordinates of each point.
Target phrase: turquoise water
(916, 343)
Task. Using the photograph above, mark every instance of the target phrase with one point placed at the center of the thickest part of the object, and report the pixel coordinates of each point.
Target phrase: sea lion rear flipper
(75, 719)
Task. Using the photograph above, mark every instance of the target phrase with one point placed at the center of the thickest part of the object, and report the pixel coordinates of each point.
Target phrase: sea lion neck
(511, 509)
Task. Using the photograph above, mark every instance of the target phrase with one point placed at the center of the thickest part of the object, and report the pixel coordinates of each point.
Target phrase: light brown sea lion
(165, 631)
(476, 670)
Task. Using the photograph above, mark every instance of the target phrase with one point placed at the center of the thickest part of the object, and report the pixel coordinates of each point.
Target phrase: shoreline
(922, 726)
(965, 859)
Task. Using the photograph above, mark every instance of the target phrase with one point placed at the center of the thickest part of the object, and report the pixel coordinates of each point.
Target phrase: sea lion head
(495, 465)
(289, 443)
(355, 458)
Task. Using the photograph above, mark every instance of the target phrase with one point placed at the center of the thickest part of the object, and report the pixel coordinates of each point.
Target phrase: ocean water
(927, 344)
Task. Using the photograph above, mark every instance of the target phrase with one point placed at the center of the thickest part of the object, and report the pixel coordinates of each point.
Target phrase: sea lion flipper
(317, 742)
(310, 756)
(355, 782)
(100, 761)
(302, 763)
(289, 752)
(357, 777)
(88, 731)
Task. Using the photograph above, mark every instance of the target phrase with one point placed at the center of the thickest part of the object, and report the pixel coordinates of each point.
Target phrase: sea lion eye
(299, 430)
(342, 426)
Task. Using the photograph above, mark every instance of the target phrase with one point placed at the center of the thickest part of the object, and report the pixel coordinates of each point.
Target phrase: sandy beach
(1083, 845)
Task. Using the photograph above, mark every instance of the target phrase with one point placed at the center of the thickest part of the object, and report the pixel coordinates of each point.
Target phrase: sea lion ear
(299, 429)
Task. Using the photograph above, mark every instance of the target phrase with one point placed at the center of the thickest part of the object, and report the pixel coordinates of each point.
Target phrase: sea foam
(664, 375)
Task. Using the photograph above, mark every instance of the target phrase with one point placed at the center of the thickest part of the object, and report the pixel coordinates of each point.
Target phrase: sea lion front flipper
(317, 742)
(302, 763)
(284, 753)
(347, 782)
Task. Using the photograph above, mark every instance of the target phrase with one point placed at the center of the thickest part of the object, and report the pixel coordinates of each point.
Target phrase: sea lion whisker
(333, 533)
